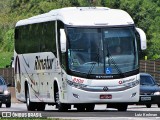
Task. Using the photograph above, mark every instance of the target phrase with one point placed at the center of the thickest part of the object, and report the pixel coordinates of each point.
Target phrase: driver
(117, 51)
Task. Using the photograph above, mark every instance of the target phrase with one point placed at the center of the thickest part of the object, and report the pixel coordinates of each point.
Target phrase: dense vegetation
(146, 14)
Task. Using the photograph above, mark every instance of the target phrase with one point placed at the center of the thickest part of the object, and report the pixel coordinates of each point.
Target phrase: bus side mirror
(142, 38)
(63, 40)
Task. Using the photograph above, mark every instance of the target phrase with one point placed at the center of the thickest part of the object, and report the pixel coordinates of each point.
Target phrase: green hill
(146, 14)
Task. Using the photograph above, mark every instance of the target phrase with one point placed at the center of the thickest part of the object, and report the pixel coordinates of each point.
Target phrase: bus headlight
(76, 85)
(157, 93)
(132, 84)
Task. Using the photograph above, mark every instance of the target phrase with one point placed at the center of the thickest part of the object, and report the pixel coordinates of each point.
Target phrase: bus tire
(41, 106)
(61, 106)
(90, 107)
(122, 107)
(31, 106)
(80, 108)
(148, 105)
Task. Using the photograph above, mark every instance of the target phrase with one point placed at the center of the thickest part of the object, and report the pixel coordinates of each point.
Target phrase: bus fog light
(132, 84)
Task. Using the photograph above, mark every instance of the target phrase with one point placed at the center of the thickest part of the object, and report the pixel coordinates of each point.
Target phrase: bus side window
(16, 33)
(63, 56)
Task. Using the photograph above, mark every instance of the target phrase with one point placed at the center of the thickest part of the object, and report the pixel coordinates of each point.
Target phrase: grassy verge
(5, 59)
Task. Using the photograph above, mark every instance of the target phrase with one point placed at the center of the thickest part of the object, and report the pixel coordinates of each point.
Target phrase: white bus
(68, 57)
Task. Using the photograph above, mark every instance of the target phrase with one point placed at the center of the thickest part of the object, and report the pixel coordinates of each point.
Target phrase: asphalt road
(133, 112)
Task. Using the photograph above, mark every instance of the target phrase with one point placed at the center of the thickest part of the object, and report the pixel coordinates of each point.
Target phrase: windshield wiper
(114, 63)
(90, 70)
(93, 64)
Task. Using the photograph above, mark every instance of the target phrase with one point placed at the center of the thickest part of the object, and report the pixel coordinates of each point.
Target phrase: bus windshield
(102, 50)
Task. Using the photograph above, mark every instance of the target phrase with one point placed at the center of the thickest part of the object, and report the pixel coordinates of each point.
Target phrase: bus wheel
(30, 105)
(80, 108)
(148, 105)
(41, 106)
(61, 106)
(122, 107)
(90, 107)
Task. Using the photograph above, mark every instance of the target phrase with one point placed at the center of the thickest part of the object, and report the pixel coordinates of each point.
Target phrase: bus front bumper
(80, 96)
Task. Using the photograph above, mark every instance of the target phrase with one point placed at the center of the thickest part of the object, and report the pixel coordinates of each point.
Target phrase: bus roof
(83, 16)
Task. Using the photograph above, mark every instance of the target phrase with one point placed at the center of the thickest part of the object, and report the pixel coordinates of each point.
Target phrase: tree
(74, 3)
(145, 14)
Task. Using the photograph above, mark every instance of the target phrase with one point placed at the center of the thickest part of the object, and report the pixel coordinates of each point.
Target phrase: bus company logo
(43, 64)
(105, 88)
(120, 82)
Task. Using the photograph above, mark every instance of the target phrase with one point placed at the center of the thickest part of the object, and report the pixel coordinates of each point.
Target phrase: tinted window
(2, 81)
(102, 50)
(34, 38)
(146, 80)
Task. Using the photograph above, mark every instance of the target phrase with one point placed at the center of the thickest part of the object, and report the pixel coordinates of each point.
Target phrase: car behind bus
(149, 90)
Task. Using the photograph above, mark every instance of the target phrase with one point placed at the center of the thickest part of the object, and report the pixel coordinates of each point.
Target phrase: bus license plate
(145, 98)
(105, 96)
